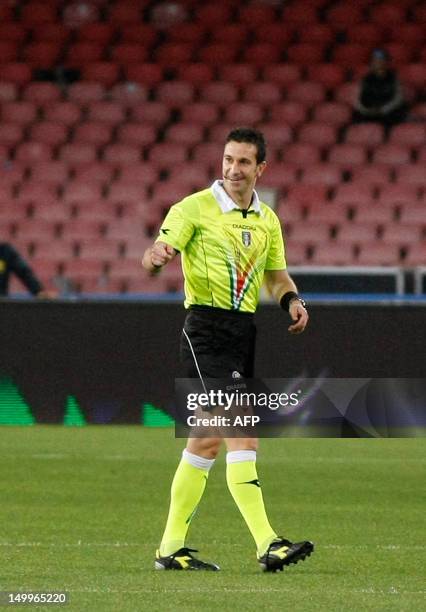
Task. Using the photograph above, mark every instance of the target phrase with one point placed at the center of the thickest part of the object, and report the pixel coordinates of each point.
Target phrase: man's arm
(279, 283)
(157, 256)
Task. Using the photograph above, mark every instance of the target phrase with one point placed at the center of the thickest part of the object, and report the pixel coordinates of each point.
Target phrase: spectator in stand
(12, 262)
(380, 95)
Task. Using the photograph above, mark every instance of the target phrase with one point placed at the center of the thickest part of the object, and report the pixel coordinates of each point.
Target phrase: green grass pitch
(82, 510)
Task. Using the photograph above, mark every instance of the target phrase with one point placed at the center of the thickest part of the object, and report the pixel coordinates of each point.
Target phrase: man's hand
(299, 314)
(161, 253)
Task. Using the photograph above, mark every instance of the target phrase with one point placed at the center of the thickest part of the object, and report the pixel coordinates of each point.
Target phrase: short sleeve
(276, 254)
(177, 228)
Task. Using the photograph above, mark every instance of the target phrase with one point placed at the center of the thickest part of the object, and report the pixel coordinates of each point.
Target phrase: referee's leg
(244, 485)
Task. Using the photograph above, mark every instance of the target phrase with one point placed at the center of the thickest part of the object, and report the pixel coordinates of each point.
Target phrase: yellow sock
(188, 487)
(243, 483)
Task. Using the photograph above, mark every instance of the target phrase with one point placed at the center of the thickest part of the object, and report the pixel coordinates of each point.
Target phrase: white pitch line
(118, 544)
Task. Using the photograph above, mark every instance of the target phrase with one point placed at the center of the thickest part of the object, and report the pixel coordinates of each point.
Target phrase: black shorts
(218, 343)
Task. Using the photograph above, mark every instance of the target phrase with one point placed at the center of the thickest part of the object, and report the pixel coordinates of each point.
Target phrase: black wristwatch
(288, 297)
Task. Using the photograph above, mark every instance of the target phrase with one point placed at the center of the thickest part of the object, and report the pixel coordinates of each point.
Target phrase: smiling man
(230, 244)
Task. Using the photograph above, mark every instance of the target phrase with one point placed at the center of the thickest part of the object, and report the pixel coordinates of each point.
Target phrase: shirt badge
(246, 238)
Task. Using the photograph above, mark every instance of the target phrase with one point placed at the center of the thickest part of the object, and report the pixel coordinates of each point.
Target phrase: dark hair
(250, 136)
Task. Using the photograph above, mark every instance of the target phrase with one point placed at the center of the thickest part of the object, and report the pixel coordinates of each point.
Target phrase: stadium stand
(98, 161)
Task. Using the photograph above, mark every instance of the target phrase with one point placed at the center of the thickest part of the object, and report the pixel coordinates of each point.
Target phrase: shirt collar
(227, 204)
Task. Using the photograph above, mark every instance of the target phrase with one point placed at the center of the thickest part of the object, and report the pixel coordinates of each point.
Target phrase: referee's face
(240, 168)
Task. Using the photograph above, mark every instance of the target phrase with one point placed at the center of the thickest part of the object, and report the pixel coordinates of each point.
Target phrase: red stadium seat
(175, 93)
(411, 134)
(357, 233)
(109, 112)
(78, 153)
(15, 72)
(216, 54)
(219, 93)
(313, 33)
(148, 74)
(290, 212)
(347, 93)
(80, 53)
(166, 154)
(306, 54)
(364, 33)
(307, 93)
(8, 92)
(413, 74)
(392, 154)
(307, 194)
(59, 213)
(129, 53)
(371, 174)
(334, 213)
(101, 211)
(387, 14)
(102, 249)
(413, 214)
(140, 172)
(50, 171)
(95, 172)
(209, 153)
(10, 30)
(196, 73)
(408, 33)
(368, 134)
(243, 113)
(138, 32)
(237, 32)
(416, 255)
(123, 191)
(344, 15)
(347, 155)
(273, 33)
(11, 133)
(122, 153)
(82, 192)
(276, 135)
(262, 93)
(214, 14)
(333, 113)
(97, 133)
(33, 152)
(295, 254)
(328, 75)
(41, 93)
(9, 51)
(164, 15)
(301, 153)
(53, 134)
(19, 112)
(141, 134)
(42, 53)
(39, 12)
(11, 174)
(202, 113)
(82, 229)
(101, 33)
(219, 132)
(195, 174)
(157, 113)
(351, 54)
(61, 250)
(354, 193)
(376, 214)
(262, 54)
(188, 134)
(173, 55)
(379, 254)
(413, 174)
(35, 191)
(106, 73)
(318, 133)
(303, 15)
(398, 194)
(190, 32)
(326, 174)
(6, 192)
(401, 234)
(256, 13)
(333, 254)
(37, 229)
(50, 32)
(86, 91)
(282, 74)
(288, 112)
(67, 113)
(310, 233)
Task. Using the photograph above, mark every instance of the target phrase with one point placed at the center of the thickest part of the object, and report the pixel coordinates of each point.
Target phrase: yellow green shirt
(224, 255)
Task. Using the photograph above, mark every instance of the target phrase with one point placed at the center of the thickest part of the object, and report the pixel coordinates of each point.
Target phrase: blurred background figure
(380, 95)
(12, 263)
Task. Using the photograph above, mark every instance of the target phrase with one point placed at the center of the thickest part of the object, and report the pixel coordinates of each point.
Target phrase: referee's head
(249, 136)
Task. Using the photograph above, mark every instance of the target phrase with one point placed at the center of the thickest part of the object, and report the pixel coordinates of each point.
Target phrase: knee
(204, 447)
(236, 444)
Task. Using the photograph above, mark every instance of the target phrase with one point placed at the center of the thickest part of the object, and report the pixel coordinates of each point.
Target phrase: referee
(230, 243)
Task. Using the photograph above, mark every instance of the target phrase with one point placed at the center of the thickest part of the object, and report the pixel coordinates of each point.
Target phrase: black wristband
(286, 299)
